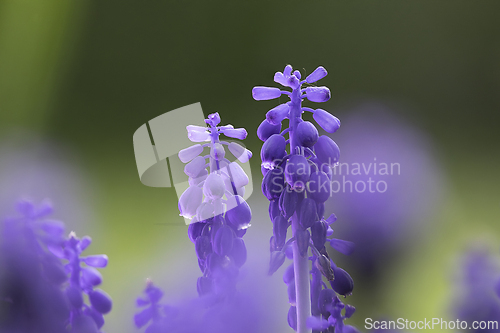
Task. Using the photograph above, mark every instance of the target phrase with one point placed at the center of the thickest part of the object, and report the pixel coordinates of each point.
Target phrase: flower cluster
(297, 183)
(42, 278)
(219, 219)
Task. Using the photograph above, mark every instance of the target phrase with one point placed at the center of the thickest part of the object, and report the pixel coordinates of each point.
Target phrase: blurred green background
(84, 75)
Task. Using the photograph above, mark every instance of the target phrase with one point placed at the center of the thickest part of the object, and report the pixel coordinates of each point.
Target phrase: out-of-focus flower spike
(25, 207)
(189, 153)
(343, 246)
(317, 75)
(265, 93)
(318, 94)
(266, 129)
(143, 317)
(278, 114)
(53, 227)
(96, 260)
(237, 133)
(326, 120)
(242, 154)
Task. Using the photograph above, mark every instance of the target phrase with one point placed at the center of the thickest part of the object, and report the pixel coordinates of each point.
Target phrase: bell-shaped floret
(203, 247)
(327, 151)
(214, 186)
(307, 134)
(317, 75)
(277, 259)
(319, 187)
(239, 253)
(205, 211)
(241, 153)
(292, 318)
(297, 171)
(195, 229)
(273, 150)
(318, 234)
(223, 242)
(189, 201)
(266, 129)
(280, 226)
(237, 133)
(197, 133)
(343, 283)
(273, 184)
(318, 94)
(217, 151)
(302, 237)
(326, 120)
(238, 212)
(289, 201)
(275, 116)
(238, 175)
(323, 265)
(100, 301)
(308, 213)
(343, 246)
(265, 93)
(195, 167)
(214, 119)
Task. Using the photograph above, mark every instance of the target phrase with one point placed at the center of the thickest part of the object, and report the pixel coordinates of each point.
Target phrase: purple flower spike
(265, 93)
(317, 75)
(297, 182)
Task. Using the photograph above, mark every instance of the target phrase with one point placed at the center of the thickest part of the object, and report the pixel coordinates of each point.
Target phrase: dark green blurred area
(87, 74)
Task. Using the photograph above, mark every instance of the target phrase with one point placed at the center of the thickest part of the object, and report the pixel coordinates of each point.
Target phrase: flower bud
(238, 212)
(280, 226)
(265, 93)
(273, 184)
(297, 171)
(217, 152)
(237, 133)
(343, 283)
(292, 294)
(277, 259)
(238, 175)
(302, 238)
(326, 120)
(205, 211)
(290, 200)
(318, 234)
(214, 186)
(241, 153)
(308, 213)
(100, 301)
(223, 242)
(275, 116)
(203, 247)
(214, 119)
(319, 187)
(317, 75)
(289, 274)
(194, 230)
(239, 253)
(198, 133)
(318, 94)
(273, 150)
(100, 260)
(189, 201)
(266, 129)
(195, 167)
(307, 134)
(91, 277)
(274, 210)
(327, 151)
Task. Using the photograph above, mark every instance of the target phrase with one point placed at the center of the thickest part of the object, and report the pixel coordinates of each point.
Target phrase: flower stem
(301, 265)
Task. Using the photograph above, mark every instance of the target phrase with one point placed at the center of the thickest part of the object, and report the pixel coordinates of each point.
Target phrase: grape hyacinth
(297, 182)
(39, 291)
(219, 219)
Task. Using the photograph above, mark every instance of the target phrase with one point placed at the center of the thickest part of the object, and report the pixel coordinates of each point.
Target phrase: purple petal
(100, 301)
(277, 259)
(280, 226)
(265, 93)
(292, 318)
(214, 186)
(273, 150)
(238, 212)
(316, 323)
(281, 79)
(318, 94)
(224, 240)
(323, 265)
(319, 187)
(289, 274)
(52, 227)
(85, 242)
(278, 114)
(239, 253)
(241, 153)
(327, 151)
(238, 175)
(214, 119)
(332, 218)
(189, 153)
(307, 134)
(302, 238)
(273, 185)
(287, 71)
(195, 135)
(266, 129)
(190, 201)
(100, 260)
(308, 213)
(318, 234)
(237, 133)
(195, 167)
